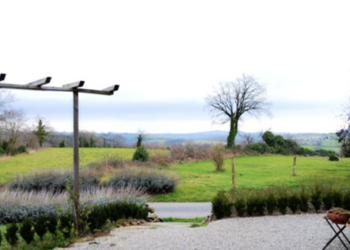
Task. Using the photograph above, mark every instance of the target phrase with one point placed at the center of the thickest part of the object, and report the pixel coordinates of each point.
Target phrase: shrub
(97, 218)
(52, 224)
(333, 158)
(217, 155)
(54, 182)
(221, 205)
(338, 197)
(294, 202)
(346, 199)
(160, 159)
(150, 183)
(11, 233)
(140, 154)
(260, 148)
(282, 201)
(304, 199)
(2, 151)
(328, 198)
(255, 204)
(22, 149)
(40, 226)
(271, 201)
(269, 138)
(26, 231)
(107, 161)
(240, 205)
(316, 196)
(17, 212)
(65, 225)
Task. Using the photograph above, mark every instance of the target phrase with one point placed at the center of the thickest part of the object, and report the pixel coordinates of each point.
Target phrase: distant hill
(310, 140)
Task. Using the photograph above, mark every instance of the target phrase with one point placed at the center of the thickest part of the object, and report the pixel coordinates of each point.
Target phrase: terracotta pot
(338, 218)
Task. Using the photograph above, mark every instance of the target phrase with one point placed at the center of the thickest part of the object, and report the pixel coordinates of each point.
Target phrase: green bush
(333, 158)
(316, 196)
(2, 152)
(294, 202)
(26, 231)
(52, 224)
(11, 234)
(260, 148)
(269, 138)
(65, 225)
(256, 204)
(240, 206)
(140, 154)
(282, 201)
(338, 196)
(152, 184)
(271, 201)
(346, 199)
(327, 198)
(40, 226)
(304, 199)
(221, 205)
(97, 218)
(218, 156)
(52, 183)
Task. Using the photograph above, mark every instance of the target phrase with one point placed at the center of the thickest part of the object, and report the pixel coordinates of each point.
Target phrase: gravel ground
(306, 231)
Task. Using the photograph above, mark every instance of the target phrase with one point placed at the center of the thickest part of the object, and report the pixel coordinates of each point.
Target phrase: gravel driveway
(305, 231)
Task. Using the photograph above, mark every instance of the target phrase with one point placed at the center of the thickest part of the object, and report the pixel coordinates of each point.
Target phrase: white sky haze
(168, 55)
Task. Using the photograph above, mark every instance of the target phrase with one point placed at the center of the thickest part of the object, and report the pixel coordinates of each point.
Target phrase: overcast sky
(168, 55)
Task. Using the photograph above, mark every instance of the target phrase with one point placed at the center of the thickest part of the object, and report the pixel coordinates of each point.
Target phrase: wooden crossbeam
(111, 88)
(40, 82)
(2, 77)
(74, 85)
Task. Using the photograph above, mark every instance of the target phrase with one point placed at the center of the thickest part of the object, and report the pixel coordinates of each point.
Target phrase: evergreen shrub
(151, 184)
(26, 231)
(140, 154)
(271, 201)
(40, 226)
(240, 206)
(221, 205)
(316, 196)
(11, 234)
(65, 225)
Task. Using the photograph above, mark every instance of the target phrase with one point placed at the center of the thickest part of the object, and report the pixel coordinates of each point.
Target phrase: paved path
(181, 209)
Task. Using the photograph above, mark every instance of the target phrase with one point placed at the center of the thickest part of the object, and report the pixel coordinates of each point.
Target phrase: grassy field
(57, 158)
(199, 181)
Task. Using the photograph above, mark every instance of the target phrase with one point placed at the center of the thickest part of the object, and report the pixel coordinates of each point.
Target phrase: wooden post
(76, 159)
(233, 172)
(294, 165)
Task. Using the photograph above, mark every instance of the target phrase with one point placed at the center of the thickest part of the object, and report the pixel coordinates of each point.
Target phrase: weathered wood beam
(111, 88)
(2, 77)
(28, 87)
(40, 82)
(74, 85)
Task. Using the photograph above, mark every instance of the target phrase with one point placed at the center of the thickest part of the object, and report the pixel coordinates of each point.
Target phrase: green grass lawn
(199, 181)
(57, 158)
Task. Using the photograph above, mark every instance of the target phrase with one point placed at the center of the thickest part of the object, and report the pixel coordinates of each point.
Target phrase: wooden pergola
(75, 88)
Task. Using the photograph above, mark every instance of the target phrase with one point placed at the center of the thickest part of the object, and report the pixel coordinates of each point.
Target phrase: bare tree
(12, 125)
(248, 139)
(233, 99)
(344, 133)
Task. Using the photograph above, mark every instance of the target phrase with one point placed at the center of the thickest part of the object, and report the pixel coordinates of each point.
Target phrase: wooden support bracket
(40, 82)
(74, 85)
(111, 88)
(2, 77)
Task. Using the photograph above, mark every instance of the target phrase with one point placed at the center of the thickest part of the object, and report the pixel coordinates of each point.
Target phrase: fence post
(233, 172)
(294, 165)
